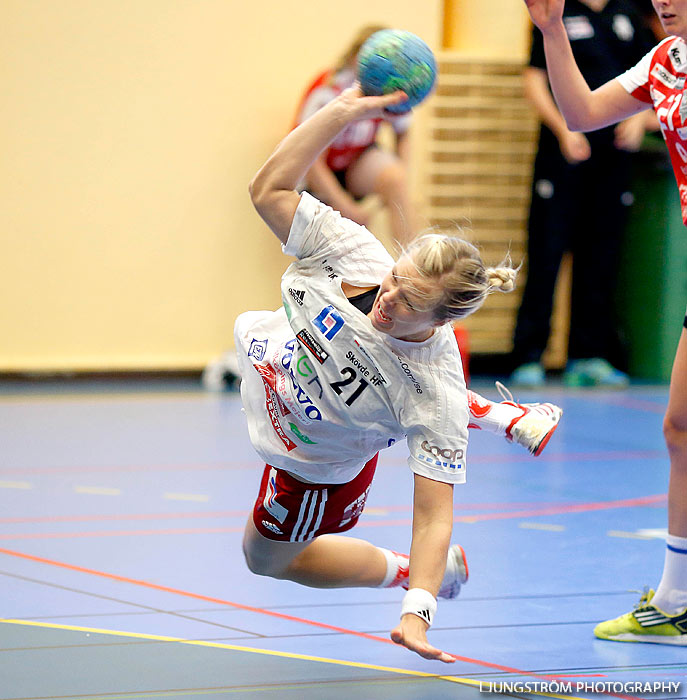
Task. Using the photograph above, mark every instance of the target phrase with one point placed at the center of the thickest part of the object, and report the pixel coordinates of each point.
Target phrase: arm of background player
(273, 189)
(323, 184)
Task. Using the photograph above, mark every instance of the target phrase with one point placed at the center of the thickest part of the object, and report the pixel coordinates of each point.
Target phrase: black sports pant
(582, 208)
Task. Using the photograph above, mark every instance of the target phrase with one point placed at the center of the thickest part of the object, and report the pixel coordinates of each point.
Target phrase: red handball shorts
(289, 510)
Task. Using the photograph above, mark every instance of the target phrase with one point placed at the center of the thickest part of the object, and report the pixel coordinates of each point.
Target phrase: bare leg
(671, 594)
(384, 173)
(329, 561)
(675, 431)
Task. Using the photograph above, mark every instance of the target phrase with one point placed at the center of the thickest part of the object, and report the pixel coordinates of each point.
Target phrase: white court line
(199, 497)
(98, 490)
(657, 532)
(630, 535)
(15, 485)
(542, 526)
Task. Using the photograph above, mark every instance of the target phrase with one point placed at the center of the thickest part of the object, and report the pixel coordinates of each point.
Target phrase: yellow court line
(267, 652)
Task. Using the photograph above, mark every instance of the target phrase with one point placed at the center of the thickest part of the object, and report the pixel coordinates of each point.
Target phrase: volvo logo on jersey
(329, 322)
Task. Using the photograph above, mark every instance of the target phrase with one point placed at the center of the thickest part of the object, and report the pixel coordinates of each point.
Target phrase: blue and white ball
(393, 59)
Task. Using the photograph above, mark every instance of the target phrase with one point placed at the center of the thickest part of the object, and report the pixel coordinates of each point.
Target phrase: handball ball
(393, 59)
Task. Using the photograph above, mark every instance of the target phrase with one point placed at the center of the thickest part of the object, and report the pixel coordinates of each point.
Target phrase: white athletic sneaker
(535, 426)
(456, 573)
(455, 576)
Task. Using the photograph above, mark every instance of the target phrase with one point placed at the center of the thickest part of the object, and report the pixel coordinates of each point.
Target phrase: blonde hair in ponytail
(463, 280)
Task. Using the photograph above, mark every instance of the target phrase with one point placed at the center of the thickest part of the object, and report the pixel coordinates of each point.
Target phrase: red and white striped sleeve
(636, 79)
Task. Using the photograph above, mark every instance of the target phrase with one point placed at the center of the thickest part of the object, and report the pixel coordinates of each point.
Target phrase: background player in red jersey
(353, 165)
(657, 81)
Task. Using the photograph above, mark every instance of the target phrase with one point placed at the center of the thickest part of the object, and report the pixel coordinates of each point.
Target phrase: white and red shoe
(455, 576)
(535, 426)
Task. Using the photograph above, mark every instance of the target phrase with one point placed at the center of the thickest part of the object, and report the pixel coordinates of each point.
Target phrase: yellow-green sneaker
(646, 623)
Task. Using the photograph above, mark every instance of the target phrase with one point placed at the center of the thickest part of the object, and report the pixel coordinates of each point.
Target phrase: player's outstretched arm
(583, 109)
(432, 526)
(273, 189)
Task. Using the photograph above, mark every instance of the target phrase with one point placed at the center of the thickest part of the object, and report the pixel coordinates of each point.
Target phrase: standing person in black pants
(580, 198)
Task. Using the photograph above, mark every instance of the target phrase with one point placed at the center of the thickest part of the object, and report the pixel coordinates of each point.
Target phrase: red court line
(262, 611)
(386, 461)
(658, 499)
(93, 517)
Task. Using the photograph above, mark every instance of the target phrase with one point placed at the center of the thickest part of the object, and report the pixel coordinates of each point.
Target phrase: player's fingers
(427, 651)
(424, 649)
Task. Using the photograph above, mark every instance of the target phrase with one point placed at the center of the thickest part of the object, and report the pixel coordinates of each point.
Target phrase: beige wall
(130, 130)
(497, 29)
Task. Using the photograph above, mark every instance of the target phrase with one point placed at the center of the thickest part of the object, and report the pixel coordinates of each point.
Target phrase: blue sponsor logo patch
(329, 322)
(257, 349)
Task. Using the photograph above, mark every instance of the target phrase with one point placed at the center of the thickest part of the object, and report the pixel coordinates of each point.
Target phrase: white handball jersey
(324, 391)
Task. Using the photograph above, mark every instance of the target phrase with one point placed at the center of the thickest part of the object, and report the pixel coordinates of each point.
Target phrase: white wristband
(418, 601)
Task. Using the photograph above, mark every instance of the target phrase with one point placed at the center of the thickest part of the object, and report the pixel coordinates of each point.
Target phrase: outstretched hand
(412, 634)
(370, 106)
(545, 13)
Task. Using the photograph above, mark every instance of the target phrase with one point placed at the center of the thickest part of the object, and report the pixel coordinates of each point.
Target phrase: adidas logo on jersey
(298, 295)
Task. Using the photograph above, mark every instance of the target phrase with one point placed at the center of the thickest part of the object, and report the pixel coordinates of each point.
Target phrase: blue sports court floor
(121, 574)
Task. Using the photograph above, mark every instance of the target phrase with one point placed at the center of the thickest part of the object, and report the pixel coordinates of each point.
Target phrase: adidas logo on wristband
(418, 601)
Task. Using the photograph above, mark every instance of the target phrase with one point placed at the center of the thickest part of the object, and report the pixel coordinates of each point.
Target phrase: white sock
(671, 594)
(396, 568)
(491, 416)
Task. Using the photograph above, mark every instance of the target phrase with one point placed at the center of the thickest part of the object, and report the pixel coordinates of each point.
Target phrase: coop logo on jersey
(664, 76)
(298, 295)
(305, 338)
(329, 322)
(437, 456)
(257, 349)
(442, 452)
